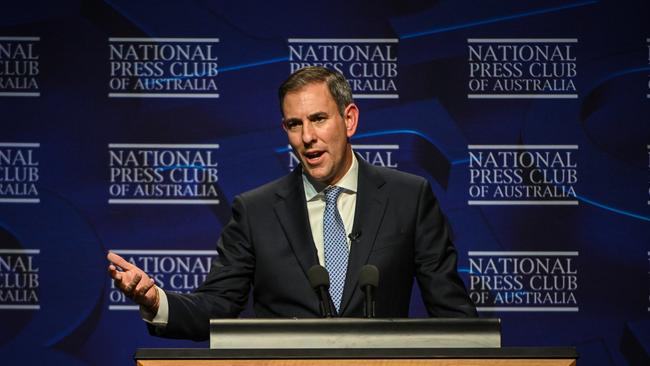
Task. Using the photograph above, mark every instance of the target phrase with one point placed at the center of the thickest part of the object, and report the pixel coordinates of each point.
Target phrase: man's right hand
(135, 284)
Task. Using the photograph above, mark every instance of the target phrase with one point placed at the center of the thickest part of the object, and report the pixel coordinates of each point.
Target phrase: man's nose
(308, 133)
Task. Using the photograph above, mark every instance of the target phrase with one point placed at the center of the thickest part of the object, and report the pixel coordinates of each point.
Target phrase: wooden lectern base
(401, 362)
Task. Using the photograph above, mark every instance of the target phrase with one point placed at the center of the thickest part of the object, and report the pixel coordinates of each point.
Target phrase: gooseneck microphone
(368, 281)
(319, 280)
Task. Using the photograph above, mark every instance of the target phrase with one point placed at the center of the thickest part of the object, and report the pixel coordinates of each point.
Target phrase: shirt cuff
(161, 318)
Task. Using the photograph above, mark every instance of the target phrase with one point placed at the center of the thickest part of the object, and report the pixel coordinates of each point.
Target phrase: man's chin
(317, 175)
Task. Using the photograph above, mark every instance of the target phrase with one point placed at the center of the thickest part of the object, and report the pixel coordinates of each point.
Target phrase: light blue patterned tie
(336, 245)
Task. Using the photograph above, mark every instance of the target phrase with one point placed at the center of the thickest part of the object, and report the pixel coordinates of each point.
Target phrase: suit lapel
(291, 211)
(368, 214)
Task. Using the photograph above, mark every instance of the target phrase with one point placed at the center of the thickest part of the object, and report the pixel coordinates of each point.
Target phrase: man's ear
(351, 118)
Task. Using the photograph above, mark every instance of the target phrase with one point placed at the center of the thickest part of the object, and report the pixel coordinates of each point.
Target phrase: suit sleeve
(442, 289)
(225, 291)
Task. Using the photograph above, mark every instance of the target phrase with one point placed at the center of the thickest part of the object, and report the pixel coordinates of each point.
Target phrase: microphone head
(318, 277)
(369, 276)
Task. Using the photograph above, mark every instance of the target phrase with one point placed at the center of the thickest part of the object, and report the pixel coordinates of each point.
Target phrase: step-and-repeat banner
(131, 125)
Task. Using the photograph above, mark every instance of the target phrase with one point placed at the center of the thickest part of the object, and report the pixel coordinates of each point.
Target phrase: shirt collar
(348, 182)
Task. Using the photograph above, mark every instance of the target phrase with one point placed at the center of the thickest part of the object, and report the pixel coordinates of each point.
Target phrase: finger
(128, 289)
(119, 261)
(112, 268)
(116, 267)
(143, 285)
(141, 293)
(114, 273)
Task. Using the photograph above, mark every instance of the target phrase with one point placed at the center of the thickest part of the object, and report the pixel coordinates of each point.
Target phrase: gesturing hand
(135, 284)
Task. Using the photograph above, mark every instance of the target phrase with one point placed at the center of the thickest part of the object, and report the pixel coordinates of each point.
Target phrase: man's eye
(293, 125)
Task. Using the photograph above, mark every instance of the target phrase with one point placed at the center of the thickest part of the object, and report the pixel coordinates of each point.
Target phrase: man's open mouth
(313, 154)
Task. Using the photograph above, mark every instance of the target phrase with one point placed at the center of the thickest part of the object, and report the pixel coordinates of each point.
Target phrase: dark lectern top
(358, 353)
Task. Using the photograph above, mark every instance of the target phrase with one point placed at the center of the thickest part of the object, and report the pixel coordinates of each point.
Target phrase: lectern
(357, 342)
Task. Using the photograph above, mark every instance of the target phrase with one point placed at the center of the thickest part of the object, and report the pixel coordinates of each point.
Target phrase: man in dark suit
(336, 210)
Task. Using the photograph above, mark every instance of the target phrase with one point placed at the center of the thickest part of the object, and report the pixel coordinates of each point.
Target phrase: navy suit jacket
(268, 245)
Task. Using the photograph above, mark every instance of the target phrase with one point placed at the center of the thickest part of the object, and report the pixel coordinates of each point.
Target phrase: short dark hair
(336, 83)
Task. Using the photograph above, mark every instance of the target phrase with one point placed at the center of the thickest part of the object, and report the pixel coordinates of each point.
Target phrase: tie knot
(331, 194)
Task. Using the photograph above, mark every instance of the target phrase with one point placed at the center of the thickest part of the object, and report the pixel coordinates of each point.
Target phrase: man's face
(317, 132)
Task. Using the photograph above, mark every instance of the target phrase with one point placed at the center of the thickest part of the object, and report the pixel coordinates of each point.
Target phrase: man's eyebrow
(317, 115)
